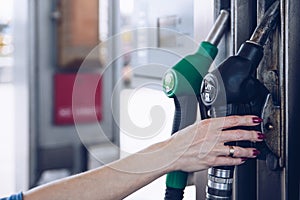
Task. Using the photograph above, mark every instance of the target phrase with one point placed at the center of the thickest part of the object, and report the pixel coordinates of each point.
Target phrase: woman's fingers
(208, 145)
(221, 156)
(234, 121)
(238, 151)
(241, 135)
(228, 161)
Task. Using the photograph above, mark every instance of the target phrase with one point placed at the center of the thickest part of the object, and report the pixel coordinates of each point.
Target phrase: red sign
(77, 98)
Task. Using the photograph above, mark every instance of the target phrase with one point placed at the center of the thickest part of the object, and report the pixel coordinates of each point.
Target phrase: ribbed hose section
(177, 116)
(219, 184)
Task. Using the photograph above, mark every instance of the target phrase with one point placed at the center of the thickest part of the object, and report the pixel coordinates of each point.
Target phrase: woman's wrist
(163, 155)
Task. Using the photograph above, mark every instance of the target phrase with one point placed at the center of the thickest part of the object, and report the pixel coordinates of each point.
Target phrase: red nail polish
(257, 120)
(244, 159)
(256, 152)
(261, 136)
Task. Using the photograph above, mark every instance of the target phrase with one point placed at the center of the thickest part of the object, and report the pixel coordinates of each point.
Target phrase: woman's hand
(201, 145)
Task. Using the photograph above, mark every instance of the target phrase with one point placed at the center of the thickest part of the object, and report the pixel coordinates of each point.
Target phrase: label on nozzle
(169, 82)
(209, 89)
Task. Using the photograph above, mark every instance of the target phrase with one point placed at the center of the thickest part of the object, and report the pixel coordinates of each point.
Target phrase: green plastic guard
(186, 76)
(177, 179)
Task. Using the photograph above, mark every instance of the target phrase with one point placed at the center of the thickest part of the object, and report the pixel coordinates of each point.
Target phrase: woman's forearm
(114, 181)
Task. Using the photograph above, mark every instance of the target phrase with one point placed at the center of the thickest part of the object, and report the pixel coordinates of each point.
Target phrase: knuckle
(218, 136)
(232, 161)
(212, 161)
(238, 135)
(236, 161)
(254, 135)
(248, 134)
(250, 152)
(234, 120)
(229, 161)
(243, 152)
(204, 123)
(237, 151)
(219, 150)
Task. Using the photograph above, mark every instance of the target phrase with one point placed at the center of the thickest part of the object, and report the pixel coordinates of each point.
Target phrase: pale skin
(194, 148)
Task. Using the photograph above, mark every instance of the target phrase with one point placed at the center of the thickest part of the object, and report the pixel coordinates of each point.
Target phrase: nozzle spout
(219, 28)
(267, 24)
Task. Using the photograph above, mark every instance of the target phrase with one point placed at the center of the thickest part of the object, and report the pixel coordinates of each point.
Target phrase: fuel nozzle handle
(182, 83)
(185, 77)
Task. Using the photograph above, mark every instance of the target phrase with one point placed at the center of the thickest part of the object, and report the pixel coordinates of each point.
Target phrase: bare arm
(114, 181)
(195, 148)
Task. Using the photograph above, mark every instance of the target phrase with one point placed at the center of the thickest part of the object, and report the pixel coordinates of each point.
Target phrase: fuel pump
(182, 83)
(232, 89)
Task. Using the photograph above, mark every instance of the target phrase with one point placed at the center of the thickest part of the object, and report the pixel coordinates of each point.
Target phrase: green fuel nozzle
(182, 82)
(186, 76)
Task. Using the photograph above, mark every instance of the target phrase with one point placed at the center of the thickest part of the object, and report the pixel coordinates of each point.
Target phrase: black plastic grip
(185, 115)
(177, 116)
(174, 193)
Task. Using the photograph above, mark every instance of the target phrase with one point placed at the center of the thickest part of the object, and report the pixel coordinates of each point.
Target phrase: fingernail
(244, 159)
(256, 152)
(261, 136)
(257, 120)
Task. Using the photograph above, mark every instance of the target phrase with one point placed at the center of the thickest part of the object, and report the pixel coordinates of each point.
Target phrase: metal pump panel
(276, 174)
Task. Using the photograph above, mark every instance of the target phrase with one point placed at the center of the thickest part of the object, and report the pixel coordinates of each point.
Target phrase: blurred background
(80, 86)
(121, 49)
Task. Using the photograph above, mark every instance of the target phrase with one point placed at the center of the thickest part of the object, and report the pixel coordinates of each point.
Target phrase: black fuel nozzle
(232, 89)
(233, 77)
